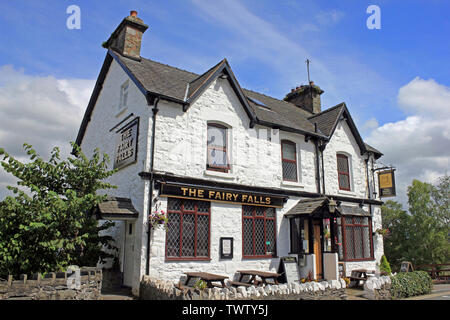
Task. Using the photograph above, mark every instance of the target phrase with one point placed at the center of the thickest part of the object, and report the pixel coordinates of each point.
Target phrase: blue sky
(266, 44)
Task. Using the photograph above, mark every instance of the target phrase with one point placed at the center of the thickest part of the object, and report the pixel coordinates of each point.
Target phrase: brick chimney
(127, 37)
(306, 97)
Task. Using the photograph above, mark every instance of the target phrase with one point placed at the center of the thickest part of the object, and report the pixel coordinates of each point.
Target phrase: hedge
(408, 284)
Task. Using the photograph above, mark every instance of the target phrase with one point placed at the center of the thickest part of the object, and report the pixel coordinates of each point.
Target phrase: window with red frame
(188, 229)
(289, 160)
(217, 157)
(355, 238)
(258, 231)
(343, 172)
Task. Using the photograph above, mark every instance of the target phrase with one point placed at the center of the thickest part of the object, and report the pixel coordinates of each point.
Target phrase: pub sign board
(126, 145)
(386, 183)
(220, 195)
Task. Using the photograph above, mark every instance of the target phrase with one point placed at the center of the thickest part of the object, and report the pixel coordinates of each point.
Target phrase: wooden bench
(237, 284)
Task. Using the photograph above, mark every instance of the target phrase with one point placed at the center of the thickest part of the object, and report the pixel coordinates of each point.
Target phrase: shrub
(408, 284)
(384, 265)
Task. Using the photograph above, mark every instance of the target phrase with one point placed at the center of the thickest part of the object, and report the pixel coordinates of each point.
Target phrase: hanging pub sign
(386, 183)
(220, 195)
(126, 145)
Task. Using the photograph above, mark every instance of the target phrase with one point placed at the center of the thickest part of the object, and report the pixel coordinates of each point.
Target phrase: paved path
(119, 294)
(439, 292)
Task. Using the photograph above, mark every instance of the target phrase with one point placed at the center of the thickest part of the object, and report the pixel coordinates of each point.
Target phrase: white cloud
(419, 145)
(329, 17)
(42, 111)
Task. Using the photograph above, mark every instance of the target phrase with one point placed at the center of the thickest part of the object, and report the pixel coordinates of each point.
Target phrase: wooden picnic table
(359, 275)
(209, 278)
(253, 273)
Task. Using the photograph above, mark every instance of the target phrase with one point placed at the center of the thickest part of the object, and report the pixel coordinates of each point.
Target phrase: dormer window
(289, 160)
(124, 95)
(217, 148)
(343, 169)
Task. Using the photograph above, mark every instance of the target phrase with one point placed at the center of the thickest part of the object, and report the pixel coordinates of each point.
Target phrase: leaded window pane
(259, 237)
(202, 235)
(248, 237)
(173, 235)
(344, 182)
(270, 236)
(248, 211)
(188, 235)
(289, 171)
(350, 248)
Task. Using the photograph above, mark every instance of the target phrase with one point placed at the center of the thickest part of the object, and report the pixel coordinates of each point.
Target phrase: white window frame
(124, 94)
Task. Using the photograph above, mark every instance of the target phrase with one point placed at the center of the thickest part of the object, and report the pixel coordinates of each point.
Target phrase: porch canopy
(116, 208)
(321, 207)
(324, 207)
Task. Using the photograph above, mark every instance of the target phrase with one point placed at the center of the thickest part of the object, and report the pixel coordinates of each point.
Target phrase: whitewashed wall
(105, 116)
(181, 142)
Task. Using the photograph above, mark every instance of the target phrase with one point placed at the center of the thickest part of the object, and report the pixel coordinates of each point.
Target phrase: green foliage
(200, 284)
(48, 224)
(420, 236)
(384, 265)
(408, 284)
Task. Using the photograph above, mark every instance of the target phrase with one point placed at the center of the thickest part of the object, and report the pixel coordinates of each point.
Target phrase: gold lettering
(192, 192)
(244, 197)
(229, 196)
(217, 197)
(200, 193)
(211, 194)
(235, 196)
(268, 200)
(184, 191)
(250, 199)
(256, 199)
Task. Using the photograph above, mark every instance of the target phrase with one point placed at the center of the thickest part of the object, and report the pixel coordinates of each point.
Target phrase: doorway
(128, 263)
(317, 230)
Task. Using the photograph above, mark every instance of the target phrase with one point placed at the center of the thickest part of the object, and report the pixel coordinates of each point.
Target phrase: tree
(420, 236)
(49, 223)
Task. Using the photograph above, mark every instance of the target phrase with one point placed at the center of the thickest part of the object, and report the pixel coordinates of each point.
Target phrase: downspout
(316, 142)
(152, 157)
(322, 148)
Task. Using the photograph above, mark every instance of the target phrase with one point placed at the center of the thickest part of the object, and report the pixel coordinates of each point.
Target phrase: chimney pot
(133, 13)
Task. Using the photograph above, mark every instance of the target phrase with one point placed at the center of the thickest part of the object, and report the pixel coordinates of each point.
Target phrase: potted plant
(157, 219)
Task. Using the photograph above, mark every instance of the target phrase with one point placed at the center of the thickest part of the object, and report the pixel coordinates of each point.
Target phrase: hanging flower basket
(157, 219)
(383, 232)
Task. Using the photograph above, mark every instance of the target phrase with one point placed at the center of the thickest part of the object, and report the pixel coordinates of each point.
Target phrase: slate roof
(181, 86)
(353, 211)
(307, 207)
(117, 208)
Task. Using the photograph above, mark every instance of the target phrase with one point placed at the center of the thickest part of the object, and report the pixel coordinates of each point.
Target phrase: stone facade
(378, 288)
(54, 286)
(156, 289)
(180, 150)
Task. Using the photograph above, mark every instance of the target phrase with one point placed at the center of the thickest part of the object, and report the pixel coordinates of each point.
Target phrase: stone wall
(156, 289)
(378, 288)
(54, 286)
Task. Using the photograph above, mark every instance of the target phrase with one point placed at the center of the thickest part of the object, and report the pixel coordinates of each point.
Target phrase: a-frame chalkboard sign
(289, 270)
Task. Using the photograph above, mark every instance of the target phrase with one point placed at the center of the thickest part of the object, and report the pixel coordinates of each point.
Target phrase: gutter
(152, 155)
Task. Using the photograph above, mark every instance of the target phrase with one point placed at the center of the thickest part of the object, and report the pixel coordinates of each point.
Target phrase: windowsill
(121, 111)
(292, 184)
(348, 193)
(212, 173)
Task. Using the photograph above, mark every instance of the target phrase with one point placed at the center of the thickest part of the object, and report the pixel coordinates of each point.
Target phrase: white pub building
(243, 178)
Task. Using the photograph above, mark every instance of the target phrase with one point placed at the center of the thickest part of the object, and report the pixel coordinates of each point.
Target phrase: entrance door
(318, 248)
(129, 254)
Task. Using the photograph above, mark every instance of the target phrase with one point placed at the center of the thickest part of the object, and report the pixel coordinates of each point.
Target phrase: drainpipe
(152, 157)
(316, 142)
(322, 148)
